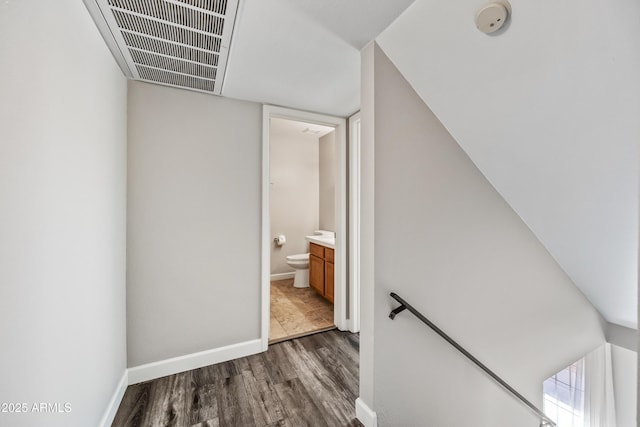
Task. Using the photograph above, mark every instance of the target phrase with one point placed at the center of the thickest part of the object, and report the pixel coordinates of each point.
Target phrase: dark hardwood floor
(309, 381)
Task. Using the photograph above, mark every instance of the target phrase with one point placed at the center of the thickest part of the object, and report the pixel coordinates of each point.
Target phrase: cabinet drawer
(316, 250)
(328, 254)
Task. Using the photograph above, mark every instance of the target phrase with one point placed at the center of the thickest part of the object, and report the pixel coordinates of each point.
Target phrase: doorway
(302, 165)
(270, 236)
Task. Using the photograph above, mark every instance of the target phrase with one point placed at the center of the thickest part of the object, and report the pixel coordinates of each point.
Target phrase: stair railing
(544, 420)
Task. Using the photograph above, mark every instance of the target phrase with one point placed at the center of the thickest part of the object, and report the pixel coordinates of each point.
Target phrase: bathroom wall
(63, 146)
(327, 151)
(294, 186)
(193, 279)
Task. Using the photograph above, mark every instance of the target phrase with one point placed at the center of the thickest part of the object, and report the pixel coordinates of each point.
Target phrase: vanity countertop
(323, 240)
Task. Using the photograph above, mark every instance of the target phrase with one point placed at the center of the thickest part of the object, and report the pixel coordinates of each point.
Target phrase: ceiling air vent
(181, 43)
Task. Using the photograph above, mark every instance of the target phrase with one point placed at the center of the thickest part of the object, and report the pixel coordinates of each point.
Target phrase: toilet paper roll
(280, 240)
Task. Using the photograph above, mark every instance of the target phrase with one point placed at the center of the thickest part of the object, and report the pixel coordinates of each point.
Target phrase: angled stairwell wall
(448, 243)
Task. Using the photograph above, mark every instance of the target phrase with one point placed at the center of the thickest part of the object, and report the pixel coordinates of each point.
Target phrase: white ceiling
(304, 54)
(300, 130)
(549, 110)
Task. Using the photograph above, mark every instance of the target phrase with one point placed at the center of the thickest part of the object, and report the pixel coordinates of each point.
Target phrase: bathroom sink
(324, 240)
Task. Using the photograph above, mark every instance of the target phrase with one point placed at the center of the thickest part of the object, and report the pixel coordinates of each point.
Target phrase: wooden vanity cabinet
(321, 270)
(328, 279)
(316, 273)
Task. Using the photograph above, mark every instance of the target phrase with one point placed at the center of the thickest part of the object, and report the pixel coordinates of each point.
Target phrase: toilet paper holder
(280, 240)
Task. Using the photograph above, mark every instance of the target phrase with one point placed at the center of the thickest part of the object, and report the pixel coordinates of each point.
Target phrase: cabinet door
(328, 281)
(316, 274)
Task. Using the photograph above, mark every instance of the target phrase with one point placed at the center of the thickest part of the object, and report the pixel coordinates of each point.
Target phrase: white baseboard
(162, 368)
(283, 276)
(365, 415)
(114, 403)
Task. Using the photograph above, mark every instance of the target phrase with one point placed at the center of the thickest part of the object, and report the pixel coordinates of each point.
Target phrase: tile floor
(297, 311)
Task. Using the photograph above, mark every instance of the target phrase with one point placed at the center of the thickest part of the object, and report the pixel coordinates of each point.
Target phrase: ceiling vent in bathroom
(181, 43)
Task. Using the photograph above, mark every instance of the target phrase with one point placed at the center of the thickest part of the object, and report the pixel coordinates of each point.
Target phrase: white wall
(448, 243)
(62, 215)
(621, 336)
(193, 278)
(327, 172)
(625, 387)
(294, 186)
(367, 225)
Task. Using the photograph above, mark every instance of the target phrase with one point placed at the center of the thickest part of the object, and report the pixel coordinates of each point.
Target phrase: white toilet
(301, 263)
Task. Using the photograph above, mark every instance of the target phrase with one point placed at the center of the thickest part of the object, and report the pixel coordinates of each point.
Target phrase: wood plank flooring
(297, 311)
(310, 381)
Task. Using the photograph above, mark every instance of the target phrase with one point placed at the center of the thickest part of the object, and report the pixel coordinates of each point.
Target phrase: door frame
(354, 221)
(340, 295)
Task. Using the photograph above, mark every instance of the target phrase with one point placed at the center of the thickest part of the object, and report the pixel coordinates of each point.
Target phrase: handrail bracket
(396, 311)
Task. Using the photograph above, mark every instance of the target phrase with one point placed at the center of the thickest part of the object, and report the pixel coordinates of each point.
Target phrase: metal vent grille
(217, 6)
(183, 43)
(174, 79)
(161, 30)
(137, 41)
(168, 63)
(170, 12)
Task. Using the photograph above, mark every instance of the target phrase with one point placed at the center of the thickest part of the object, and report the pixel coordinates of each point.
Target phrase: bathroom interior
(302, 184)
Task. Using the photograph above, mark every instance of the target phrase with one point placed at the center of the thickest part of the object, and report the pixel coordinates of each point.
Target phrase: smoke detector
(491, 17)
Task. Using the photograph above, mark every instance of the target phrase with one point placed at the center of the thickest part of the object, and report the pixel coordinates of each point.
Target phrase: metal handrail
(545, 421)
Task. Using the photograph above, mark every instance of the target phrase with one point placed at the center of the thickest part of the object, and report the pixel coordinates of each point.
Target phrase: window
(564, 396)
